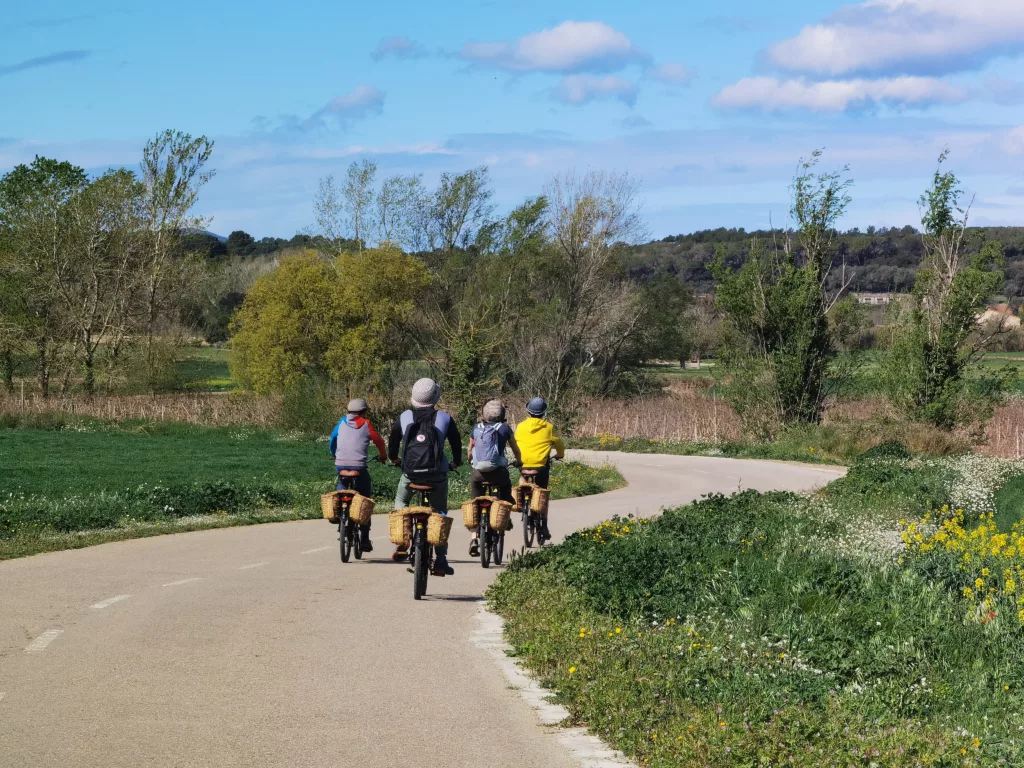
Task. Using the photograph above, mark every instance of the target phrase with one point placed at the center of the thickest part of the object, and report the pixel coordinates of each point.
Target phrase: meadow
(83, 481)
(877, 623)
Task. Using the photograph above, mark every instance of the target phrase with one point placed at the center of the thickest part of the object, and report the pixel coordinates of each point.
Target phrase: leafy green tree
(345, 321)
(240, 243)
(779, 347)
(931, 372)
(34, 208)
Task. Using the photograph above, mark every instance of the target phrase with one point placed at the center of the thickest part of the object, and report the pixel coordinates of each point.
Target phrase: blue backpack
(487, 452)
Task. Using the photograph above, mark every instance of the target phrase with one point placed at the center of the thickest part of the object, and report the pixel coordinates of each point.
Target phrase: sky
(710, 105)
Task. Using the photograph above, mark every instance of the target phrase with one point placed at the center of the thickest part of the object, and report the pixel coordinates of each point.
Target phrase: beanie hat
(537, 407)
(357, 406)
(425, 393)
(493, 411)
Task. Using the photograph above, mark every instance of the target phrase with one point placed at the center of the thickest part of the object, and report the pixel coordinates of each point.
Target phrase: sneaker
(510, 526)
(364, 540)
(442, 569)
(400, 555)
(474, 548)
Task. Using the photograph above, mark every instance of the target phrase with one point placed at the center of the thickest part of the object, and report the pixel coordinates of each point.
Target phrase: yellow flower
(976, 742)
(618, 630)
(986, 572)
(572, 670)
(722, 724)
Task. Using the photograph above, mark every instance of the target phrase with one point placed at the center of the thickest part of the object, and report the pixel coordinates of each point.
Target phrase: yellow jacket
(535, 438)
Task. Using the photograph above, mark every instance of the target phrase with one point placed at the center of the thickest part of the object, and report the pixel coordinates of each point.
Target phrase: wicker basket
(439, 528)
(329, 505)
(470, 514)
(361, 509)
(399, 527)
(501, 515)
(539, 502)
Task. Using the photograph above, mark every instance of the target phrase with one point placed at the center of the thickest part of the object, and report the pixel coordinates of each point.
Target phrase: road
(256, 646)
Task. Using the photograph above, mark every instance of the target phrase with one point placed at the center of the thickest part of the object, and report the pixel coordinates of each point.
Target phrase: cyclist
(486, 454)
(350, 445)
(536, 437)
(420, 434)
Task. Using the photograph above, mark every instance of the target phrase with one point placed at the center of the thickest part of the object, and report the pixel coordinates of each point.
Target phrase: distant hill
(883, 260)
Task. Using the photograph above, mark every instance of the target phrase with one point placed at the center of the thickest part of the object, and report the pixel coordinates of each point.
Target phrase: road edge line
(583, 746)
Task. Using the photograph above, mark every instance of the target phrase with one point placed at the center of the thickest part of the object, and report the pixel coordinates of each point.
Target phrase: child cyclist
(350, 447)
(486, 454)
(535, 438)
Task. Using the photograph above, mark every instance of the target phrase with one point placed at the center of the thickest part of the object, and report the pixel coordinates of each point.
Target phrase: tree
(329, 210)
(344, 321)
(358, 195)
(240, 243)
(172, 174)
(931, 371)
(397, 207)
(779, 347)
(34, 201)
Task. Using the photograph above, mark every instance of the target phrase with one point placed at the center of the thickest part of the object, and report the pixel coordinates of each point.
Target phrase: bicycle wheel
(499, 547)
(422, 565)
(485, 541)
(357, 541)
(528, 531)
(345, 535)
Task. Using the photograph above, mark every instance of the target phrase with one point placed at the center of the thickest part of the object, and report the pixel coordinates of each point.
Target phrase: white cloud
(769, 94)
(361, 102)
(580, 89)
(913, 36)
(673, 73)
(399, 47)
(571, 47)
(1014, 141)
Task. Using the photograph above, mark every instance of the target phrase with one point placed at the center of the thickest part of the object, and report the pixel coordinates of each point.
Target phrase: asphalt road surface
(256, 646)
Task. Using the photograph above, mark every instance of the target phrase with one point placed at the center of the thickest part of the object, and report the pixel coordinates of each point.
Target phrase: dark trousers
(543, 476)
(362, 484)
(496, 478)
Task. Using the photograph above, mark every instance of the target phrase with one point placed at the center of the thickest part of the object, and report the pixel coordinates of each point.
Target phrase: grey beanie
(493, 411)
(357, 405)
(425, 392)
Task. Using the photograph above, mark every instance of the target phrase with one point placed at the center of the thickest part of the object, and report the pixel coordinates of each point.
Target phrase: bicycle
(421, 553)
(491, 542)
(348, 531)
(533, 523)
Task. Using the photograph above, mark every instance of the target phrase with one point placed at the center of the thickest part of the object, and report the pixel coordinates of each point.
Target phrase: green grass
(772, 630)
(138, 479)
(1010, 503)
(204, 369)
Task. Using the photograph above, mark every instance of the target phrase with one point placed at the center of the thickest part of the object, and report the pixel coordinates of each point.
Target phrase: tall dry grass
(686, 414)
(206, 409)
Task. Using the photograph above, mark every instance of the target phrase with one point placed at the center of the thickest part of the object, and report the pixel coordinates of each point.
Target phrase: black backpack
(422, 446)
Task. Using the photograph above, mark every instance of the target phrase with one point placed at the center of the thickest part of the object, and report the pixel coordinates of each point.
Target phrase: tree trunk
(44, 369)
(90, 372)
(7, 366)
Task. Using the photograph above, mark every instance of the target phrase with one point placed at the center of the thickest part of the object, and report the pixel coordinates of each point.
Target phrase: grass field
(205, 369)
(775, 630)
(135, 479)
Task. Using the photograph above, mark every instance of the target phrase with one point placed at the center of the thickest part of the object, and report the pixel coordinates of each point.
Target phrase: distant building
(999, 314)
(878, 299)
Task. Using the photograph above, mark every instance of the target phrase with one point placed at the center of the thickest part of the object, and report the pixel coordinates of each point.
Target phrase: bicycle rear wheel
(485, 541)
(421, 567)
(357, 541)
(499, 547)
(528, 530)
(345, 535)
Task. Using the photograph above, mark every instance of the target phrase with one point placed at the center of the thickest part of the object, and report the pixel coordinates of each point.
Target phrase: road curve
(255, 646)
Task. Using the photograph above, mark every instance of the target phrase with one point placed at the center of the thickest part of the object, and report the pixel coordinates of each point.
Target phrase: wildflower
(618, 630)
(572, 670)
(976, 742)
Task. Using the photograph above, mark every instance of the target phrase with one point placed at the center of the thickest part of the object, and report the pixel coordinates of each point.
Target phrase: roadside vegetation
(878, 622)
(84, 481)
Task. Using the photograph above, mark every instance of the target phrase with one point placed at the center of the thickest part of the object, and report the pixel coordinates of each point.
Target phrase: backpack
(423, 445)
(487, 453)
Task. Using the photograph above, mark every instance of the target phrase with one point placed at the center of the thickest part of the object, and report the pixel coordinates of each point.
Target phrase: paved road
(257, 647)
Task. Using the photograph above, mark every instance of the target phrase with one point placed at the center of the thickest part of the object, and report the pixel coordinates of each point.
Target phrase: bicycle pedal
(410, 570)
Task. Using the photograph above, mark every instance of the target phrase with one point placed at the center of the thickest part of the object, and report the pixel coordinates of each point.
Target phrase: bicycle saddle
(349, 473)
(420, 487)
(530, 472)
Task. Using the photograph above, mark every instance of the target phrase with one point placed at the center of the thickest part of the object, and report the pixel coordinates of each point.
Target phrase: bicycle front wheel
(485, 541)
(422, 565)
(499, 547)
(528, 531)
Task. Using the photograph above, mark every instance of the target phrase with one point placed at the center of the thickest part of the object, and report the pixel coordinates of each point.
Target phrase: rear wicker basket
(470, 514)
(439, 528)
(501, 515)
(329, 505)
(399, 527)
(539, 502)
(361, 509)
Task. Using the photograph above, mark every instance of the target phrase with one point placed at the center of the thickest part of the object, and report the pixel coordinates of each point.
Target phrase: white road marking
(40, 643)
(252, 565)
(318, 549)
(183, 581)
(588, 750)
(110, 601)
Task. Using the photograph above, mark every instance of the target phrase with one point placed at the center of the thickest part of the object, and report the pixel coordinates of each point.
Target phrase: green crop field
(128, 479)
(205, 369)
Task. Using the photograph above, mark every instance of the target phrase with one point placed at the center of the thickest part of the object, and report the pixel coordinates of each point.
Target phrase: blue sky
(711, 105)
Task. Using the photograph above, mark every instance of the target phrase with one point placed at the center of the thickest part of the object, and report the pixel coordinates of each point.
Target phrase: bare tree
(397, 208)
(358, 195)
(329, 209)
(172, 174)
